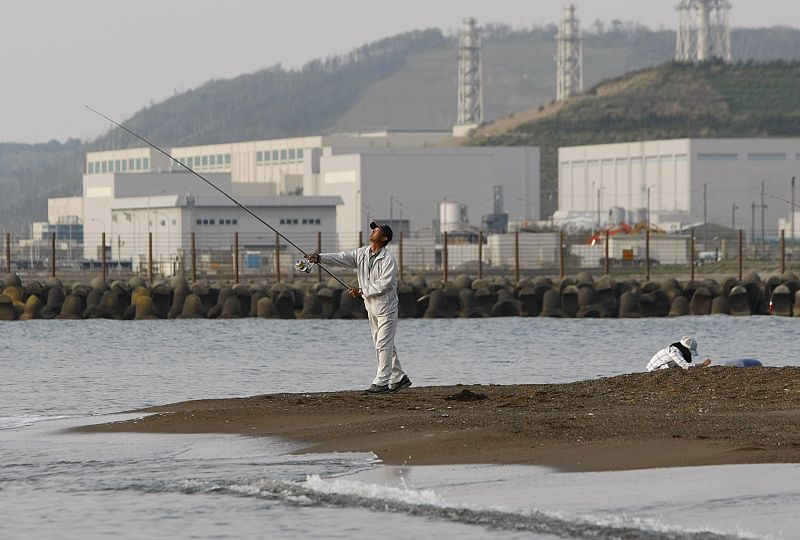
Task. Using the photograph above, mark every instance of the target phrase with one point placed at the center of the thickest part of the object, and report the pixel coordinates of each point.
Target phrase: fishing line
(237, 203)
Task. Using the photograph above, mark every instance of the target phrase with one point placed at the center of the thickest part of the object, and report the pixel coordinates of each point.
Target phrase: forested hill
(667, 102)
(402, 82)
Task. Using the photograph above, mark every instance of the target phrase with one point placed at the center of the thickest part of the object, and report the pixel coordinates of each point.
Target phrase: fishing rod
(304, 268)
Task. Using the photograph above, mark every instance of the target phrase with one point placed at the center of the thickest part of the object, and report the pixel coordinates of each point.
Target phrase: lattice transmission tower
(470, 86)
(704, 31)
(569, 56)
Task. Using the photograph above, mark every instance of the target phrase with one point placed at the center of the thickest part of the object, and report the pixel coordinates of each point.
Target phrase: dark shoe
(377, 389)
(405, 382)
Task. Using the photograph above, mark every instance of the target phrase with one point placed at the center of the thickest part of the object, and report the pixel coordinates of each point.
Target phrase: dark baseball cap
(385, 228)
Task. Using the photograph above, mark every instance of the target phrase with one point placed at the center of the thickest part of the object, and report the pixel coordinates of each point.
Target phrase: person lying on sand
(677, 355)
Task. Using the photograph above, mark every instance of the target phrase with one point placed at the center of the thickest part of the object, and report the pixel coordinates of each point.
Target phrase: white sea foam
(373, 491)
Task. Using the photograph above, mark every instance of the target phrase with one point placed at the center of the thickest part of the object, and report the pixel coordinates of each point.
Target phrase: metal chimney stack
(569, 56)
(470, 89)
(704, 31)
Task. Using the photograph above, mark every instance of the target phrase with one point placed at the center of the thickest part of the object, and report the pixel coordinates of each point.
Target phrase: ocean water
(54, 483)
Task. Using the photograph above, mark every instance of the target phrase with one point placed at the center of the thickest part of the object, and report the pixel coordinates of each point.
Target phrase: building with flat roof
(129, 207)
(377, 174)
(724, 181)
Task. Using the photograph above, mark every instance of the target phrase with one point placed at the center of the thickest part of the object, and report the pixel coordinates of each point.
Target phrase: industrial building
(378, 175)
(740, 183)
(128, 207)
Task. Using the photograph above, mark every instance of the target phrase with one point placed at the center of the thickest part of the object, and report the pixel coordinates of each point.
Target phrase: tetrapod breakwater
(578, 296)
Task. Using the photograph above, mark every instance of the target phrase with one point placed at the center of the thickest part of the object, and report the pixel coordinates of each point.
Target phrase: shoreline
(671, 418)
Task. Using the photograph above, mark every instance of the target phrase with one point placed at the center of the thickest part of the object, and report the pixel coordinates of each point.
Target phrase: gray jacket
(378, 286)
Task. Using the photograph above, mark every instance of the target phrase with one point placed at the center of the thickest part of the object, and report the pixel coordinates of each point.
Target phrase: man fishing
(377, 285)
(677, 355)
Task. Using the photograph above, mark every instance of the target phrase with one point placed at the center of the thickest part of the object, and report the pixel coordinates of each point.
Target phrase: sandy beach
(708, 416)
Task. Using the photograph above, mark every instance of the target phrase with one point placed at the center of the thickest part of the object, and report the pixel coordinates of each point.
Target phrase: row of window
(296, 221)
(118, 165)
(214, 160)
(221, 222)
(268, 156)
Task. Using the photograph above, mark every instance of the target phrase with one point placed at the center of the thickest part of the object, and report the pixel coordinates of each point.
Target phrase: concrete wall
(417, 178)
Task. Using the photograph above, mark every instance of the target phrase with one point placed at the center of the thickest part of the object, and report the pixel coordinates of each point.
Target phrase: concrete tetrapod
(701, 301)
(720, 306)
(232, 308)
(530, 306)
(312, 307)
(145, 309)
(569, 301)
(796, 308)
(72, 308)
(192, 308)
(782, 301)
(551, 304)
(740, 301)
(469, 305)
(266, 309)
(6, 308)
(179, 295)
(31, 310)
(629, 305)
(680, 307)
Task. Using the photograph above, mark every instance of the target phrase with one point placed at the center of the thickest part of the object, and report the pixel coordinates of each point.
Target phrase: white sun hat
(690, 343)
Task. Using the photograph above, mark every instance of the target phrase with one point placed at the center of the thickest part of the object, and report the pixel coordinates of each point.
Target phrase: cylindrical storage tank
(452, 216)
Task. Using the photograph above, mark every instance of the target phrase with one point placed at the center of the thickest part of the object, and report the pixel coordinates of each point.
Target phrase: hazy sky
(116, 56)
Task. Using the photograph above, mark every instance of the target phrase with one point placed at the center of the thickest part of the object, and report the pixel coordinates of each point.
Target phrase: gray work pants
(383, 330)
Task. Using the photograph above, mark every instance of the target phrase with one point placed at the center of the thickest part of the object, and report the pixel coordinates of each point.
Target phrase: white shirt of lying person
(668, 358)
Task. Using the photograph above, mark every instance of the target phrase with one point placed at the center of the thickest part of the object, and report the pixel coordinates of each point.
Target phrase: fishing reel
(304, 265)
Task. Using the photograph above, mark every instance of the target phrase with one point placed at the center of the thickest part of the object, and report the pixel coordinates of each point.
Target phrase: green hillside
(667, 102)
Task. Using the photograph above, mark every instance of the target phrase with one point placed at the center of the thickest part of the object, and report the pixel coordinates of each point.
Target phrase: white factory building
(383, 175)
(681, 181)
(170, 206)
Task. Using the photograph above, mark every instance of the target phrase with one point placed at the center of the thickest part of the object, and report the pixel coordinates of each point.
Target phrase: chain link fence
(234, 256)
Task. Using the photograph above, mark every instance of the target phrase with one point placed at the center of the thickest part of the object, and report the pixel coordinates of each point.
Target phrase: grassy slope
(671, 101)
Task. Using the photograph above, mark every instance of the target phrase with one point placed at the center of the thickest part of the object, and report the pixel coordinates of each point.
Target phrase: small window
(316, 221)
(199, 222)
(235, 221)
(227, 159)
(138, 164)
(283, 155)
(294, 221)
(212, 160)
(205, 222)
(283, 221)
(124, 165)
(219, 159)
(173, 222)
(266, 155)
(188, 162)
(274, 155)
(291, 154)
(104, 166)
(305, 221)
(131, 162)
(146, 164)
(90, 168)
(117, 166)
(259, 156)
(299, 153)
(205, 161)
(163, 223)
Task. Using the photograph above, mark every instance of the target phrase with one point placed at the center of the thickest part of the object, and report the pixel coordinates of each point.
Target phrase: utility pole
(705, 218)
(734, 208)
(763, 206)
(753, 223)
(792, 210)
(598, 209)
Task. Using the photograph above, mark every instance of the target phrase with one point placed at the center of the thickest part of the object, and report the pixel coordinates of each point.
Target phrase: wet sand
(708, 416)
